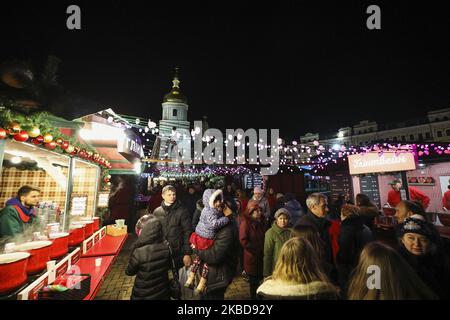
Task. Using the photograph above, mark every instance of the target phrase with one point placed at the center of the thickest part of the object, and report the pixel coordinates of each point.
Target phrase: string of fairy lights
(293, 157)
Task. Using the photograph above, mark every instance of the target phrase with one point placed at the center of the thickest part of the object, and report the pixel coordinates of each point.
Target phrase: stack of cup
(120, 223)
(9, 247)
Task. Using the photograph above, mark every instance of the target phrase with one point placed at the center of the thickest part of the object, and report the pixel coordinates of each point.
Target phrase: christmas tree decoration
(3, 133)
(34, 132)
(22, 136)
(48, 138)
(64, 145)
(59, 141)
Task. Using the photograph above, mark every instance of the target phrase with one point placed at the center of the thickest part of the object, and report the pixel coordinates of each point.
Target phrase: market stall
(42, 151)
(373, 172)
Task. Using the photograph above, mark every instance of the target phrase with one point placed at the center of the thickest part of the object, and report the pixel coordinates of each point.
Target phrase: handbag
(175, 287)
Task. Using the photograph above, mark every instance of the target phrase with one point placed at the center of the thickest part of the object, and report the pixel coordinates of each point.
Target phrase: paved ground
(118, 286)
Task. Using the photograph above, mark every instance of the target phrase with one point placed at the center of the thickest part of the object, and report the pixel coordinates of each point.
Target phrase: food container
(60, 244)
(95, 220)
(88, 227)
(52, 228)
(96, 223)
(76, 234)
(39, 255)
(114, 231)
(13, 271)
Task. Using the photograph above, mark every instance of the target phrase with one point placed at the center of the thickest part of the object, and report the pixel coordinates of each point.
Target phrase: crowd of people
(285, 252)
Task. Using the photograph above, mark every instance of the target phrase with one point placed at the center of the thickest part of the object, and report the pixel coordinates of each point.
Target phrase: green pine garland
(40, 120)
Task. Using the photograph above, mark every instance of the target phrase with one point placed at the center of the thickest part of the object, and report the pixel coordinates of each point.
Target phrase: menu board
(369, 187)
(253, 180)
(341, 183)
(257, 180)
(79, 205)
(103, 199)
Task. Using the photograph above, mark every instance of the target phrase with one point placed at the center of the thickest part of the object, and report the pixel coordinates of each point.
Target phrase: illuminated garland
(38, 130)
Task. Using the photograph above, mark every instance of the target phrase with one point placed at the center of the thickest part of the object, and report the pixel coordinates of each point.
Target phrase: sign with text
(130, 146)
(79, 205)
(369, 186)
(103, 198)
(88, 243)
(102, 232)
(75, 256)
(31, 292)
(372, 162)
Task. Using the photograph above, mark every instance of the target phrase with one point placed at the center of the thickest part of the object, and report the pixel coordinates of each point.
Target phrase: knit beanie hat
(415, 225)
(281, 211)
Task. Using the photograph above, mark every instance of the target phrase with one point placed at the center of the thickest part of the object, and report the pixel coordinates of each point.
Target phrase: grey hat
(281, 211)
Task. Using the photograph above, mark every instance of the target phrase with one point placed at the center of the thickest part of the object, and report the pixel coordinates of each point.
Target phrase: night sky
(299, 66)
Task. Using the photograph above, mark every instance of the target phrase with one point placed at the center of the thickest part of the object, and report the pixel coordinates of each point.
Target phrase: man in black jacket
(221, 259)
(177, 226)
(316, 218)
(353, 237)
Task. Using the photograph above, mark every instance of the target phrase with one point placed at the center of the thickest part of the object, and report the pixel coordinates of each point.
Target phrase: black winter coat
(190, 202)
(353, 237)
(177, 228)
(222, 257)
(197, 213)
(150, 262)
(432, 269)
(321, 225)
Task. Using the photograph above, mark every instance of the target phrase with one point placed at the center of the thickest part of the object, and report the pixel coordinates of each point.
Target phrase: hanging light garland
(36, 129)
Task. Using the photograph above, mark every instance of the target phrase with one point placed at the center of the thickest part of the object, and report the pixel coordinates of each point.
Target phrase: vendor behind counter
(19, 212)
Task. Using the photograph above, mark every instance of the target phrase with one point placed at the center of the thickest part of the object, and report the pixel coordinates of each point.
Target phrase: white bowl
(13, 257)
(58, 235)
(32, 245)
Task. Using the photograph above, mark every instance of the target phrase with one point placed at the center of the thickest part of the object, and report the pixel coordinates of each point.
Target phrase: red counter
(98, 274)
(107, 246)
(107, 249)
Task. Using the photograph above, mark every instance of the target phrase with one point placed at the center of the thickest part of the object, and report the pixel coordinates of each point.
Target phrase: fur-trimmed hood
(273, 289)
(209, 196)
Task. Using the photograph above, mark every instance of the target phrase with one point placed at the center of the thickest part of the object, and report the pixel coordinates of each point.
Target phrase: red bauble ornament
(65, 145)
(39, 139)
(51, 145)
(106, 180)
(34, 141)
(22, 136)
(3, 133)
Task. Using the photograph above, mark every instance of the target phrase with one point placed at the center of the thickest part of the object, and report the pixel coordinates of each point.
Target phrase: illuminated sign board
(373, 162)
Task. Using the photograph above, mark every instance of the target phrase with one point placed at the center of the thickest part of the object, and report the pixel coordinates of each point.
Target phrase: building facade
(434, 127)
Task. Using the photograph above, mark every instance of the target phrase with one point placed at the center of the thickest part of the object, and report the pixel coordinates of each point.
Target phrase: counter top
(106, 246)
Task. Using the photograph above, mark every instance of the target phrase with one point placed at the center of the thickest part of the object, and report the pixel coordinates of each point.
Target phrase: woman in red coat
(251, 236)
